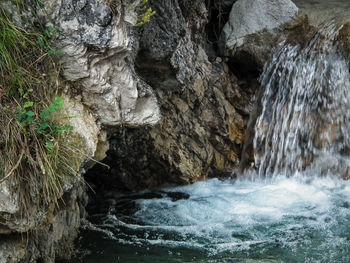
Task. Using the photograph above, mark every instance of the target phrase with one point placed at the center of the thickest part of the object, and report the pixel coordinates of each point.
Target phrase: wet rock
(176, 196)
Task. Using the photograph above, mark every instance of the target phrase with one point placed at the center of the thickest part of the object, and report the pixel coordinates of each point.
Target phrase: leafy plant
(46, 126)
(26, 116)
(45, 41)
(43, 124)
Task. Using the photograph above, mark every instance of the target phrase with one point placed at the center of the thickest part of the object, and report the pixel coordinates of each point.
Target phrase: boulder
(254, 27)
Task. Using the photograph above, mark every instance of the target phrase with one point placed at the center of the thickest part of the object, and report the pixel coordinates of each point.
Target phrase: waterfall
(301, 130)
(305, 115)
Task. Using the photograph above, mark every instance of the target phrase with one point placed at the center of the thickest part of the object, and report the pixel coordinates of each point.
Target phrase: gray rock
(202, 128)
(8, 203)
(12, 250)
(98, 48)
(53, 238)
(253, 16)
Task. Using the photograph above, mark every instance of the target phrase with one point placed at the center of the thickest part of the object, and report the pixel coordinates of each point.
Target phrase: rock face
(97, 46)
(204, 106)
(54, 236)
(205, 99)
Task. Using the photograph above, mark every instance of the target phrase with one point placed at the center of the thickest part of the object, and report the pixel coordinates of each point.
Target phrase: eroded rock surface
(205, 99)
(53, 237)
(203, 105)
(98, 47)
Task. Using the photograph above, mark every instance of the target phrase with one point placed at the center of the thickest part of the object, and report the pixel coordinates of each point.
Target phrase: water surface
(275, 220)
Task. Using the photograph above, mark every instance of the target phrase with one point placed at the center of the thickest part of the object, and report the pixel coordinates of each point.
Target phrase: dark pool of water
(276, 220)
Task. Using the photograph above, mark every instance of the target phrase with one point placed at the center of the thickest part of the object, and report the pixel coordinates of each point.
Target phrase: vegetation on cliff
(145, 12)
(35, 154)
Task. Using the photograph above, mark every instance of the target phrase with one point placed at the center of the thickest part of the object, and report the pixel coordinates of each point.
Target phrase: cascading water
(305, 117)
(301, 131)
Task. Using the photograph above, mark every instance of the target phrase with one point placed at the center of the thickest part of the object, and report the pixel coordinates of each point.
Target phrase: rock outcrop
(254, 16)
(255, 28)
(206, 97)
(50, 238)
(98, 47)
(204, 106)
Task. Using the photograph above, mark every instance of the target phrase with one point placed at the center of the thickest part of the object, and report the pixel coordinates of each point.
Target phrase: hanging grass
(36, 155)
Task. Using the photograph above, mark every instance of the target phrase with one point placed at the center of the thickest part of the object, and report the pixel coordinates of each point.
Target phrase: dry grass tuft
(35, 155)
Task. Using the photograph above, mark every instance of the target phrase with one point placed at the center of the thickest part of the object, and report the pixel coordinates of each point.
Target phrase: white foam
(225, 216)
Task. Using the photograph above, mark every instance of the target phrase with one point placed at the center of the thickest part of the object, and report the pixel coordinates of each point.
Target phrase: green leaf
(30, 114)
(28, 104)
(30, 120)
(44, 125)
(22, 117)
(45, 115)
(51, 109)
(58, 103)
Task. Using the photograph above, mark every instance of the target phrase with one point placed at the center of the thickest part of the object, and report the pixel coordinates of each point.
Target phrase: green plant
(145, 12)
(45, 41)
(25, 115)
(46, 126)
(36, 155)
(43, 124)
